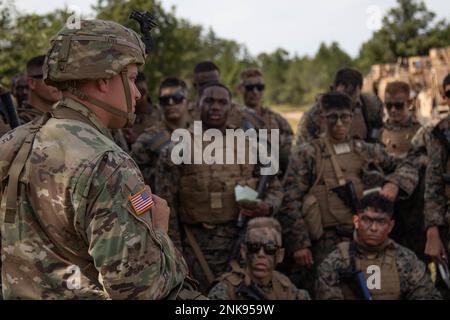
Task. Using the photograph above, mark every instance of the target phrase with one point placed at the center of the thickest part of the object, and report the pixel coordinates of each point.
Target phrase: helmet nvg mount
(99, 49)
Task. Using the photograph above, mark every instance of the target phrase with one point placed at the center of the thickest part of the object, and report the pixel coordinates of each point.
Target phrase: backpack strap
(86, 266)
(17, 167)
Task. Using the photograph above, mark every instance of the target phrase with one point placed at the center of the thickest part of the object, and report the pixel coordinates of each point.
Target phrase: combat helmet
(98, 49)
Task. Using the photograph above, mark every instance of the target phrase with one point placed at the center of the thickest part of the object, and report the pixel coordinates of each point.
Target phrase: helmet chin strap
(129, 115)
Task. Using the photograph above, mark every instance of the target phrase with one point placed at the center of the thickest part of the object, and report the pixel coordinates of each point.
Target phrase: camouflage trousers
(305, 278)
(216, 243)
(409, 229)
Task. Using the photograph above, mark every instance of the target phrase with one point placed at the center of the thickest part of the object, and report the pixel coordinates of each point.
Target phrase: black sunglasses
(396, 105)
(250, 87)
(447, 94)
(269, 248)
(333, 118)
(171, 100)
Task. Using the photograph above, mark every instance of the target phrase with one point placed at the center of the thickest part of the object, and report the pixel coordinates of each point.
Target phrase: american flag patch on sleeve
(141, 201)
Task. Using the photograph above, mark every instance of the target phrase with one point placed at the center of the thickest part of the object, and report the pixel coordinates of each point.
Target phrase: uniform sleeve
(219, 292)
(299, 178)
(274, 194)
(415, 281)
(377, 112)
(309, 125)
(328, 284)
(144, 157)
(435, 199)
(301, 294)
(286, 135)
(400, 172)
(135, 260)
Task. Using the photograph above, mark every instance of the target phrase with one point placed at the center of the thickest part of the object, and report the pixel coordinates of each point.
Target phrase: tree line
(408, 29)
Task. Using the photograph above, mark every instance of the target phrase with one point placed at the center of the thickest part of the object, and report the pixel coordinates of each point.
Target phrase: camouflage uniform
(119, 138)
(362, 125)
(214, 192)
(68, 227)
(302, 173)
(403, 275)
(238, 117)
(302, 176)
(80, 183)
(148, 119)
(236, 285)
(147, 148)
(409, 227)
(274, 120)
(28, 113)
(436, 189)
(4, 127)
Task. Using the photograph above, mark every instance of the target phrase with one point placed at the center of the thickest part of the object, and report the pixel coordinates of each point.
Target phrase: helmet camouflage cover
(99, 49)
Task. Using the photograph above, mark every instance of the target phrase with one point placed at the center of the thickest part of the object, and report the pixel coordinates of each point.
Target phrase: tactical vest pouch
(312, 217)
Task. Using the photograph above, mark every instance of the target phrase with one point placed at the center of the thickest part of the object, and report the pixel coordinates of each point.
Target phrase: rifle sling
(199, 255)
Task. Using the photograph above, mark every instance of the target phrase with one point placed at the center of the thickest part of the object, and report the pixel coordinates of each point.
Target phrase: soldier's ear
(391, 225)
(102, 85)
(355, 220)
(31, 83)
(279, 256)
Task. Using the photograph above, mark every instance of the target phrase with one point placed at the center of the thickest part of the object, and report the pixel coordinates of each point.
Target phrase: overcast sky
(296, 25)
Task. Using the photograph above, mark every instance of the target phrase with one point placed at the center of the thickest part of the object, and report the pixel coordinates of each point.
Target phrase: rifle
(348, 195)
(235, 254)
(147, 22)
(251, 292)
(8, 111)
(354, 278)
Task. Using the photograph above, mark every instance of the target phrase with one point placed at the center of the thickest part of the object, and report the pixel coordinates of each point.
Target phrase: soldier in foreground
(174, 103)
(261, 252)
(203, 194)
(76, 219)
(367, 116)
(324, 180)
(389, 271)
(437, 188)
(252, 89)
(397, 135)
(41, 97)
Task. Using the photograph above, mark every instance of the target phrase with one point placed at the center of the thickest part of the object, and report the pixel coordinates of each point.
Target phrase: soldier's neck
(258, 109)
(221, 129)
(402, 122)
(263, 282)
(336, 141)
(39, 103)
(179, 123)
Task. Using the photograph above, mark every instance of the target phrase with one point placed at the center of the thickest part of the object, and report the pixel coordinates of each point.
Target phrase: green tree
(408, 30)
(23, 37)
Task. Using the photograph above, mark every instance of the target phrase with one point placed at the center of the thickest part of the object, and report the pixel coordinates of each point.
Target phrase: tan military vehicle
(424, 74)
